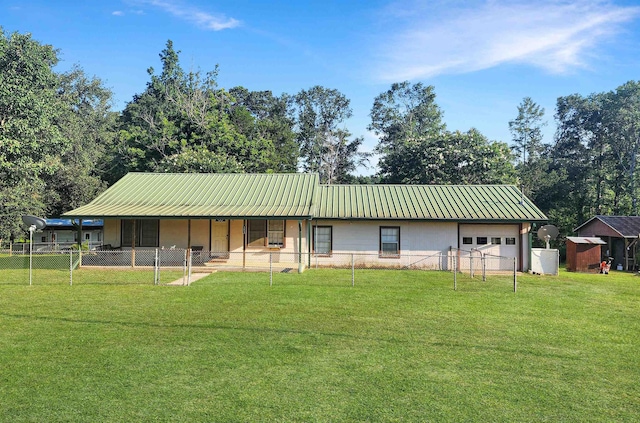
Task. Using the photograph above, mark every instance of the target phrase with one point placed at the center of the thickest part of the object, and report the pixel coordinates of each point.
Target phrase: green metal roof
(192, 195)
(295, 195)
(426, 202)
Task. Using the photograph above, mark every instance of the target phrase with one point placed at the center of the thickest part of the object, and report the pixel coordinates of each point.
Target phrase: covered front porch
(215, 242)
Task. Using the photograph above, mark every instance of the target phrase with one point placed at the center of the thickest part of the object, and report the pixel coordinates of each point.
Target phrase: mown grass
(399, 346)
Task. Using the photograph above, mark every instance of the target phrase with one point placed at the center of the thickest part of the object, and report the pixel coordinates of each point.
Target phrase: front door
(219, 236)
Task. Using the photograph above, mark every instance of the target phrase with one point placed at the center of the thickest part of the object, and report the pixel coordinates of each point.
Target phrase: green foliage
(591, 169)
(416, 148)
(183, 122)
(324, 147)
(528, 146)
(52, 131)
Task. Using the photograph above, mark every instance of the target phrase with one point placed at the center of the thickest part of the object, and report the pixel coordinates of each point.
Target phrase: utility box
(583, 254)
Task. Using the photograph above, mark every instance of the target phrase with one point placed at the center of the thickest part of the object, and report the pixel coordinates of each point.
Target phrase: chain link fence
(181, 266)
(41, 267)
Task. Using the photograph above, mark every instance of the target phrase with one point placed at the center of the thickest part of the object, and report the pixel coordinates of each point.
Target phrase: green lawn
(399, 346)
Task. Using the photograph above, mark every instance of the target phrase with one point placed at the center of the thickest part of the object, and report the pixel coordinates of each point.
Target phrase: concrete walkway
(194, 277)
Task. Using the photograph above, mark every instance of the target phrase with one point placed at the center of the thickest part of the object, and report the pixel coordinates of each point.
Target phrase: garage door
(491, 240)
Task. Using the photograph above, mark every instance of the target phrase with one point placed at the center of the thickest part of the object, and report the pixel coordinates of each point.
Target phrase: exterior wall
(597, 228)
(583, 257)
(112, 232)
(200, 233)
(173, 232)
(236, 235)
(416, 239)
(67, 236)
(290, 238)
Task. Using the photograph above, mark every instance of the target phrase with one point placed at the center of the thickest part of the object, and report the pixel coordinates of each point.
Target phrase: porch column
(79, 234)
(244, 244)
(299, 246)
(309, 242)
(133, 243)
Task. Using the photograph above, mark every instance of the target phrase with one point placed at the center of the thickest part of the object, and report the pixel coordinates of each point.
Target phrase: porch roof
(194, 195)
(489, 203)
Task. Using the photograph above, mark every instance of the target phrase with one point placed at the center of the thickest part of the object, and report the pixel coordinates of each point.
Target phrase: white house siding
(418, 240)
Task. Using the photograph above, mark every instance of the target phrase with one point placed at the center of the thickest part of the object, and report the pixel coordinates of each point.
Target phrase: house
(620, 233)
(65, 231)
(294, 214)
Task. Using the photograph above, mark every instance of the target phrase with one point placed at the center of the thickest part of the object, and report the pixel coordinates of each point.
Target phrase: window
(44, 239)
(275, 233)
(257, 232)
(510, 241)
(481, 240)
(264, 232)
(467, 240)
(87, 236)
(146, 232)
(389, 241)
(322, 240)
(496, 240)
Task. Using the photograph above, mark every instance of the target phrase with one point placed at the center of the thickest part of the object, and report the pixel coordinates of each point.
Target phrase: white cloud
(554, 35)
(117, 13)
(191, 14)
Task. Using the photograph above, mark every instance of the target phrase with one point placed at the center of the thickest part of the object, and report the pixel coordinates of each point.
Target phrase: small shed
(621, 233)
(583, 254)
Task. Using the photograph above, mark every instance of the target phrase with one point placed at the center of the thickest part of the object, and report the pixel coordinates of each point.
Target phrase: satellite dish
(547, 233)
(37, 222)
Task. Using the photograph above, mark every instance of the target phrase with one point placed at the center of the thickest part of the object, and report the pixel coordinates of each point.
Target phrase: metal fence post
(455, 274)
(515, 277)
(270, 268)
(70, 267)
(155, 269)
(353, 271)
(184, 268)
(471, 264)
(189, 266)
(484, 267)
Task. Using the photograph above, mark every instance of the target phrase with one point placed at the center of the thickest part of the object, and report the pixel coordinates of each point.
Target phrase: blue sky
(483, 57)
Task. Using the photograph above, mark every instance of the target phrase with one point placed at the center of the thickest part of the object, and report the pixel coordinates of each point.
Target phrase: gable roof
(296, 195)
(426, 202)
(203, 195)
(625, 226)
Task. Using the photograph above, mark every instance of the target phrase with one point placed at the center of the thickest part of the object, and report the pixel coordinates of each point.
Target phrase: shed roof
(426, 202)
(192, 195)
(585, 240)
(625, 226)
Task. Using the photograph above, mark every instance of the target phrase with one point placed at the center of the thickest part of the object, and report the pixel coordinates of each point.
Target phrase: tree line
(61, 143)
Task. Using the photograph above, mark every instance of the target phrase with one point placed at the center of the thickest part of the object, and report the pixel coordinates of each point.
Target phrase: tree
(625, 123)
(416, 148)
(324, 146)
(87, 122)
(185, 113)
(526, 130)
(261, 115)
(30, 140)
(406, 119)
